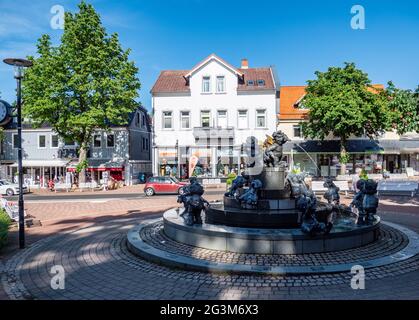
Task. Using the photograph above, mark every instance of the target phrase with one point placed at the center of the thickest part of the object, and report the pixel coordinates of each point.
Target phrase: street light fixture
(19, 65)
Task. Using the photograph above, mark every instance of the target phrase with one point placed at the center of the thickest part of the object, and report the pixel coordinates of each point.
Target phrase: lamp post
(19, 65)
(177, 159)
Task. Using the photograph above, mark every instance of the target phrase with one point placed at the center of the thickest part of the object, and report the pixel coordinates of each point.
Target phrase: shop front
(321, 158)
(99, 170)
(199, 161)
(37, 173)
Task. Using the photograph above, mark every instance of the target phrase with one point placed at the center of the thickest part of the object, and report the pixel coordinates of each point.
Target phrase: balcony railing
(213, 132)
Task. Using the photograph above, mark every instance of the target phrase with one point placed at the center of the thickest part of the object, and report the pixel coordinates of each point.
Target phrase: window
(297, 131)
(15, 141)
(250, 83)
(185, 120)
(143, 119)
(260, 118)
(54, 141)
(167, 120)
(242, 122)
(144, 143)
(110, 140)
(205, 119)
(261, 82)
(222, 118)
(220, 84)
(137, 119)
(42, 141)
(206, 84)
(97, 141)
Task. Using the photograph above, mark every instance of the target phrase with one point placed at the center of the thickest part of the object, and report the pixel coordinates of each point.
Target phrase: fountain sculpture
(269, 210)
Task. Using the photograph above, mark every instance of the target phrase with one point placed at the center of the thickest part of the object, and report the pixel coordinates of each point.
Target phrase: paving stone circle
(390, 241)
(98, 265)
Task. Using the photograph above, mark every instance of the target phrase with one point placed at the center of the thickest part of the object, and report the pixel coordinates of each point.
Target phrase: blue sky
(297, 37)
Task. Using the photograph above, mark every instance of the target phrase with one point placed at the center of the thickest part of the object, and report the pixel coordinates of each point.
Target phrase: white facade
(215, 102)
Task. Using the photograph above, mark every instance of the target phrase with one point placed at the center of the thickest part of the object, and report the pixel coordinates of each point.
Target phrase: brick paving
(88, 239)
(390, 241)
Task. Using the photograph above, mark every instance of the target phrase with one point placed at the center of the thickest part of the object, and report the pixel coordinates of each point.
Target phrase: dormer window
(250, 83)
(206, 84)
(261, 82)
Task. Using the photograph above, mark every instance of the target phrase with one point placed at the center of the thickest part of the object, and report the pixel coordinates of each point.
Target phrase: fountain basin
(344, 235)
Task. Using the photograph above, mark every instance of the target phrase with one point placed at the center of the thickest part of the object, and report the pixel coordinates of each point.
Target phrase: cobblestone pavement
(98, 265)
(88, 239)
(390, 241)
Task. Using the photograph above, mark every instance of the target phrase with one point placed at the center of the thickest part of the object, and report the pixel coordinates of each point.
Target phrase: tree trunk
(343, 157)
(82, 158)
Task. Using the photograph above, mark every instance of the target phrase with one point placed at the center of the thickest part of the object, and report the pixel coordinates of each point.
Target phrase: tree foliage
(85, 83)
(343, 103)
(404, 108)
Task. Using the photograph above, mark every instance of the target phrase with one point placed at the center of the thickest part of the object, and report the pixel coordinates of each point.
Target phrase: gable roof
(256, 74)
(177, 81)
(171, 81)
(291, 96)
(211, 57)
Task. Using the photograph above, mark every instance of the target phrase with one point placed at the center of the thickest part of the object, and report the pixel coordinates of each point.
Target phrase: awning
(354, 146)
(43, 163)
(100, 165)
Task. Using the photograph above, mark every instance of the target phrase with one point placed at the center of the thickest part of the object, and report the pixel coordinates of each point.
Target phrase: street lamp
(19, 65)
(177, 159)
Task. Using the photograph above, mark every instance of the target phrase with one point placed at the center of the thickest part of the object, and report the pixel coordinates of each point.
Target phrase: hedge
(4, 227)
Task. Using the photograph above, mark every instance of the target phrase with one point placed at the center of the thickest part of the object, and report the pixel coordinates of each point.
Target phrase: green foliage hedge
(4, 227)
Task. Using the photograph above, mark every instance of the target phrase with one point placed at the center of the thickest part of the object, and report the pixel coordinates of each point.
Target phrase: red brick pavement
(62, 216)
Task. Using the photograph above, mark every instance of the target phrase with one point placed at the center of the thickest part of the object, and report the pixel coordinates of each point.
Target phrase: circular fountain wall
(346, 234)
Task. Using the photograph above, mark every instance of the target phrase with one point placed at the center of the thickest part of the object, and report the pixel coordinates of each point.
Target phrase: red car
(163, 185)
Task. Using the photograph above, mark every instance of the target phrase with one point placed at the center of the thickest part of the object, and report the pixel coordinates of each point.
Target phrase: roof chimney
(245, 64)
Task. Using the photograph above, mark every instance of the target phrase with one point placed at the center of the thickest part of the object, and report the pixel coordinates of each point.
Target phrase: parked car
(9, 188)
(163, 185)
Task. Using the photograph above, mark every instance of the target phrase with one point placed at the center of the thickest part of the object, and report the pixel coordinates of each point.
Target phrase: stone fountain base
(345, 235)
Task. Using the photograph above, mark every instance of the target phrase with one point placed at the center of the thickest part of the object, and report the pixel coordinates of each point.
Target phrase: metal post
(177, 160)
(19, 163)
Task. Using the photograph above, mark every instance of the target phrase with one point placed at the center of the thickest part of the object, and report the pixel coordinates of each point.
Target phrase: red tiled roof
(171, 81)
(291, 95)
(256, 74)
(288, 97)
(174, 80)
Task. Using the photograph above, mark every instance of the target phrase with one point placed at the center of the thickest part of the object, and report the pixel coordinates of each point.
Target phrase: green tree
(85, 83)
(404, 105)
(343, 103)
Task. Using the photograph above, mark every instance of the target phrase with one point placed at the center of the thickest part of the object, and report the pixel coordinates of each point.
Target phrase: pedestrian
(51, 184)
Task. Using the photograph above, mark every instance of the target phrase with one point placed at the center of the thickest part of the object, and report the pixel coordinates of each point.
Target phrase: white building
(208, 112)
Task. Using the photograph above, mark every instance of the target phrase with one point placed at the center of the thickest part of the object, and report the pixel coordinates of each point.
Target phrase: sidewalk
(138, 188)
